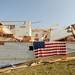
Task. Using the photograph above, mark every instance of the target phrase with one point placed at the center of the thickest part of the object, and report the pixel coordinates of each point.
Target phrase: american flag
(43, 49)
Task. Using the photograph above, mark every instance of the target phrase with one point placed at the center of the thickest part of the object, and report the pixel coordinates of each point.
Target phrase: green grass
(57, 68)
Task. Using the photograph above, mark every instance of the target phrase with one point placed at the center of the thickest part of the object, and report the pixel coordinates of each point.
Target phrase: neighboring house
(21, 29)
(5, 31)
(71, 29)
(64, 34)
(59, 33)
(67, 38)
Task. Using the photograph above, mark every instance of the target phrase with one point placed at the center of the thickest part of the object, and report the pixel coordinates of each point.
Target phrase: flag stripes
(50, 49)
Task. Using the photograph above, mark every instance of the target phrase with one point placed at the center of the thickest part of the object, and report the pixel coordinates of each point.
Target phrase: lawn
(57, 68)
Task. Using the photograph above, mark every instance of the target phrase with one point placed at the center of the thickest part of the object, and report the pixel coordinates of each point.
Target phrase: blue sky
(48, 12)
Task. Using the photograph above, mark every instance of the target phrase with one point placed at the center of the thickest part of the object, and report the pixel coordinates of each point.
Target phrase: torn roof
(59, 33)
